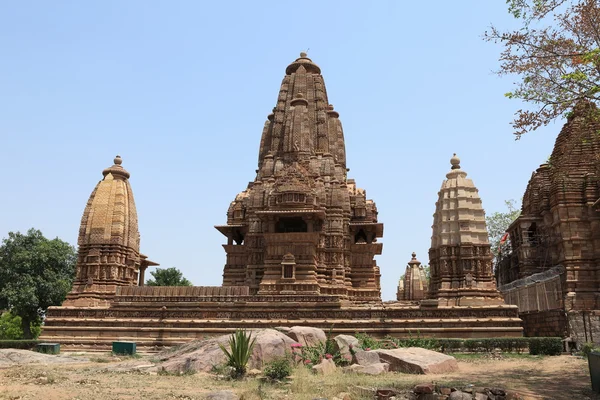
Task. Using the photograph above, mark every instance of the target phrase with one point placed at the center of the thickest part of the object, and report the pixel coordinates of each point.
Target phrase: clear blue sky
(181, 91)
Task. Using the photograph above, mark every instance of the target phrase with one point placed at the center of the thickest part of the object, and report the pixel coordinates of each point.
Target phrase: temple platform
(156, 317)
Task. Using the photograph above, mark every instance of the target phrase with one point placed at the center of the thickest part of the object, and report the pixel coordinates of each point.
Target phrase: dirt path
(559, 378)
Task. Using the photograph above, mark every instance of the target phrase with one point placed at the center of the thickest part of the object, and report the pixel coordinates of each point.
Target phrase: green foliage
(367, 342)
(168, 277)
(549, 346)
(414, 341)
(507, 345)
(10, 327)
(35, 273)
(18, 344)
(541, 345)
(241, 344)
(278, 369)
(498, 222)
(587, 348)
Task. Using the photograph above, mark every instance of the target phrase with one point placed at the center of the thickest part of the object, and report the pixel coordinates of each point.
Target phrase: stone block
(415, 360)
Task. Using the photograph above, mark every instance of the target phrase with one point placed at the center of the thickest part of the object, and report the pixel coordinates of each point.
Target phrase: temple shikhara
(301, 247)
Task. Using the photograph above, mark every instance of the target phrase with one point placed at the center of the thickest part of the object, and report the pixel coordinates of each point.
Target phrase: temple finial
(303, 54)
(455, 161)
(118, 160)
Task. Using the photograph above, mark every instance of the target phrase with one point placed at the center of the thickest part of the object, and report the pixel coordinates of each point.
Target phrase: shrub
(367, 342)
(550, 346)
(241, 344)
(18, 344)
(278, 369)
(587, 348)
(10, 327)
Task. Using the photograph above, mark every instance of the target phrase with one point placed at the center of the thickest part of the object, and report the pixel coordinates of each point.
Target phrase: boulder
(325, 367)
(362, 357)
(415, 360)
(307, 336)
(458, 395)
(203, 355)
(425, 388)
(342, 344)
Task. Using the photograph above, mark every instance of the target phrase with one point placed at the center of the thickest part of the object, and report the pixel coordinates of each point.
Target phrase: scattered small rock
(222, 395)
(325, 367)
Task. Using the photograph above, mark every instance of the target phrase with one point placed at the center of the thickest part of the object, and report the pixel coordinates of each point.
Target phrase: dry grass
(557, 378)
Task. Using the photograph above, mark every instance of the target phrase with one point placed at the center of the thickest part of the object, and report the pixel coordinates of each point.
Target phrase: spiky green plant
(241, 344)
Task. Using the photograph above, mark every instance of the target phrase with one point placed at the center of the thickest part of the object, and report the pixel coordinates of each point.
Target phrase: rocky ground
(27, 375)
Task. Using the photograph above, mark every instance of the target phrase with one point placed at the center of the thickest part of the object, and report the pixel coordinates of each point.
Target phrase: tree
(10, 327)
(555, 53)
(35, 273)
(168, 277)
(498, 222)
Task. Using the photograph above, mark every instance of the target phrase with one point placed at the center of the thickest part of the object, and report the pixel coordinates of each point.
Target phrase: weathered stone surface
(458, 395)
(372, 369)
(424, 388)
(204, 355)
(481, 396)
(307, 336)
(222, 395)
(325, 367)
(342, 344)
(415, 360)
(362, 357)
(270, 345)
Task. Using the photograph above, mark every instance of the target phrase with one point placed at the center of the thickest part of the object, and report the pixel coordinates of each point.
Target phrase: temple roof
(459, 216)
(110, 216)
(303, 124)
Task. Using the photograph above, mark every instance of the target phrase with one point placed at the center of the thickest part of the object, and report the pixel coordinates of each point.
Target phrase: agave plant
(241, 344)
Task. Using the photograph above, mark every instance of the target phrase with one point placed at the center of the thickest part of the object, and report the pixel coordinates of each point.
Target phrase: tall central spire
(302, 227)
(303, 123)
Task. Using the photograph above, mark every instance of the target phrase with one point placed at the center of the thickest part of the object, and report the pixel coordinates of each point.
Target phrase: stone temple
(301, 246)
(550, 267)
(303, 227)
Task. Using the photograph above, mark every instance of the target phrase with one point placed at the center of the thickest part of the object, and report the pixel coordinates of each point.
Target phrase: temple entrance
(291, 224)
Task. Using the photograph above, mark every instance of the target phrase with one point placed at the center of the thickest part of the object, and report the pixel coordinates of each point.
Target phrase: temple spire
(303, 124)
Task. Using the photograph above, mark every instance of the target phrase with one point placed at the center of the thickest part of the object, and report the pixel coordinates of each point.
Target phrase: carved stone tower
(109, 242)
(460, 257)
(414, 285)
(302, 227)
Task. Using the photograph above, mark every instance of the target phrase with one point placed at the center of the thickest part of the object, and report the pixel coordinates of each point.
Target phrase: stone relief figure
(469, 280)
(296, 146)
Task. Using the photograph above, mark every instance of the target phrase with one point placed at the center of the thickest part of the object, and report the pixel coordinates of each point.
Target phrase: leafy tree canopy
(10, 327)
(35, 273)
(498, 222)
(168, 277)
(556, 56)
